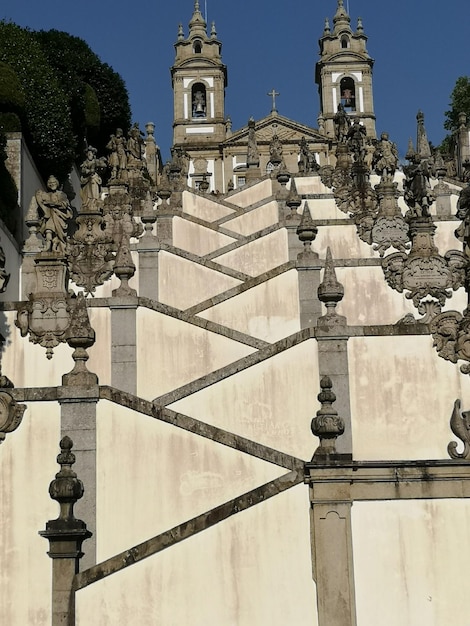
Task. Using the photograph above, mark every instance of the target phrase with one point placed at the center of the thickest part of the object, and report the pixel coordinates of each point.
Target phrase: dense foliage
(96, 94)
(61, 94)
(8, 192)
(459, 103)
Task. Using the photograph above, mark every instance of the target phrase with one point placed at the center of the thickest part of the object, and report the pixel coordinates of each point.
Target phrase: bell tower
(344, 73)
(199, 79)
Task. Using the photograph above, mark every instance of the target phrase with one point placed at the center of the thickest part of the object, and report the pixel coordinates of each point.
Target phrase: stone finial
(148, 217)
(410, 153)
(306, 230)
(66, 489)
(327, 29)
(66, 535)
(327, 425)
(80, 336)
(213, 31)
(360, 27)
(283, 174)
(293, 200)
(11, 414)
(180, 32)
(422, 144)
(460, 426)
(330, 291)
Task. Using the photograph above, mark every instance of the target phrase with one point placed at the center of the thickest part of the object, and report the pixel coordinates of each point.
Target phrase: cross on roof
(273, 95)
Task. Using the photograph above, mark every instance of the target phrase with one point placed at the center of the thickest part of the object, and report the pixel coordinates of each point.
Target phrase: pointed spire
(293, 200)
(422, 143)
(341, 19)
(330, 290)
(197, 25)
(306, 230)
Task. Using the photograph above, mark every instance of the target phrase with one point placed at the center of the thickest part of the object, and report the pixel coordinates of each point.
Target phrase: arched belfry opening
(199, 100)
(197, 47)
(348, 93)
(345, 42)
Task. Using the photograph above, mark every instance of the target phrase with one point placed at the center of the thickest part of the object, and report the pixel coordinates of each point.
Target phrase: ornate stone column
(308, 268)
(331, 532)
(66, 535)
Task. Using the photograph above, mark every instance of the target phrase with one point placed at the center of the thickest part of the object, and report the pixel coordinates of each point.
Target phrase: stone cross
(273, 93)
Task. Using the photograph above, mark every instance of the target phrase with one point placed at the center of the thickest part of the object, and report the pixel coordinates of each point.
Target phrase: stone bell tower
(199, 79)
(344, 72)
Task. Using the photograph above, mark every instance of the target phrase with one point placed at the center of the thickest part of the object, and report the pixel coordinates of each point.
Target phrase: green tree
(97, 95)
(459, 103)
(54, 87)
(48, 127)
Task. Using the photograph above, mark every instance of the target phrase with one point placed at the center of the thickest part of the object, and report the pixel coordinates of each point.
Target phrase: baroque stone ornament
(375, 211)
(11, 414)
(427, 277)
(90, 250)
(424, 275)
(122, 226)
(460, 426)
(46, 316)
(330, 292)
(307, 163)
(451, 329)
(327, 425)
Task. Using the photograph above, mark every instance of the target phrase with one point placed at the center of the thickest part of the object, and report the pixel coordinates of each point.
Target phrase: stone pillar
(78, 420)
(333, 566)
(66, 535)
(78, 398)
(331, 532)
(148, 248)
(308, 268)
(123, 344)
(332, 336)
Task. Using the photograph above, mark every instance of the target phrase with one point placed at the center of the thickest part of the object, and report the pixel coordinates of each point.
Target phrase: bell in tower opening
(348, 94)
(199, 100)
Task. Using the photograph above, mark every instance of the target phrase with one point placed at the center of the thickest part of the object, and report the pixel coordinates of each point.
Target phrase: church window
(348, 93)
(345, 41)
(197, 47)
(199, 100)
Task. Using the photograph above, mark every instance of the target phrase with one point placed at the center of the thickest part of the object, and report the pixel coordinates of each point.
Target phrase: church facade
(231, 387)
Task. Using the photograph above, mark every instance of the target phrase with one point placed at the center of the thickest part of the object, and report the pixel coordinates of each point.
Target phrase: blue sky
(420, 49)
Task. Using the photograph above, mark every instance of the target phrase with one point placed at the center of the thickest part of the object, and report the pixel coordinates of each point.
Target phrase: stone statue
(90, 179)
(385, 159)
(342, 123)
(416, 186)
(275, 150)
(307, 161)
(135, 144)
(117, 160)
(54, 211)
(356, 137)
(463, 213)
(252, 159)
